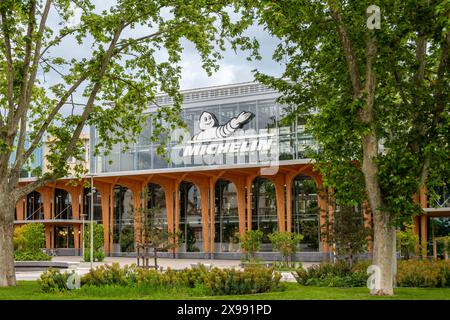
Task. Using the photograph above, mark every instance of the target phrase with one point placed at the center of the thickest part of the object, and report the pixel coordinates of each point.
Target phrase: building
(84, 137)
(238, 167)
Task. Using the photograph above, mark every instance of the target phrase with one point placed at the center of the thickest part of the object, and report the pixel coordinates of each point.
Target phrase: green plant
(423, 273)
(28, 255)
(347, 233)
(98, 243)
(407, 240)
(338, 274)
(286, 243)
(29, 241)
(53, 280)
(198, 281)
(251, 242)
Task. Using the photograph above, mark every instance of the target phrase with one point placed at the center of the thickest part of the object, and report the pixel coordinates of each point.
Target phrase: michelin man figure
(210, 128)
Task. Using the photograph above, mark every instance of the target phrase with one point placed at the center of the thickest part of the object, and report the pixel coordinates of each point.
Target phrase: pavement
(82, 267)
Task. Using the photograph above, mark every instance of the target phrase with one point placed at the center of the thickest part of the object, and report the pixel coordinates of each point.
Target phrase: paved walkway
(178, 264)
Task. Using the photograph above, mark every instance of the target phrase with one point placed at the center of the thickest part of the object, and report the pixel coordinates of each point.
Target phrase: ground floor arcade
(211, 208)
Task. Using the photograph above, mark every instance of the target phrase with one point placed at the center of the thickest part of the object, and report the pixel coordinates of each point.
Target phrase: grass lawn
(30, 290)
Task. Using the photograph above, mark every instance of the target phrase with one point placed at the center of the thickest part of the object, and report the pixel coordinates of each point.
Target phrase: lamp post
(82, 232)
(91, 211)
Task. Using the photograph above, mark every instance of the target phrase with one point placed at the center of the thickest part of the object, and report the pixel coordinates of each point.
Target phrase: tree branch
(350, 55)
(21, 192)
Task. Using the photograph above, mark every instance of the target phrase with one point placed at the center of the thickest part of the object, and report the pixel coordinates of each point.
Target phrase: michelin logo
(210, 128)
(211, 131)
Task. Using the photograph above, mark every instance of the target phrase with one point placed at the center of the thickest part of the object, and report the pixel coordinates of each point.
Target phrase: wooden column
(212, 205)
(249, 182)
(289, 180)
(204, 201)
(240, 188)
(423, 234)
(177, 208)
(325, 211)
(21, 208)
(75, 194)
(279, 183)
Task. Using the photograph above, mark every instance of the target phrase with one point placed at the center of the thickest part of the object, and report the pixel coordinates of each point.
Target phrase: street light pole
(91, 233)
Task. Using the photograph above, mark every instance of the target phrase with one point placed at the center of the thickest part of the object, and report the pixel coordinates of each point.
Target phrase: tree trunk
(384, 232)
(7, 271)
(384, 254)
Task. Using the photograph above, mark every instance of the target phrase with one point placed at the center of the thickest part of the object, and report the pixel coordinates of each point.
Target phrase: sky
(234, 67)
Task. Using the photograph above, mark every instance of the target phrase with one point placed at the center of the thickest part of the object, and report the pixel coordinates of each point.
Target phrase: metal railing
(65, 209)
(30, 217)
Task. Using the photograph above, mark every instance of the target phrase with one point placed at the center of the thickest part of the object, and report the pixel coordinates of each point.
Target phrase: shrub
(53, 280)
(108, 275)
(28, 241)
(98, 243)
(198, 281)
(28, 255)
(286, 243)
(423, 273)
(251, 242)
(338, 274)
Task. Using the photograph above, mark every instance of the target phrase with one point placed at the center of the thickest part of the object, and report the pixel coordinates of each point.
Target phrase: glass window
(264, 210)
(190, 218)
(123, 230)
(35, 206)
(226, 218)
(63, 204)
(305, 212)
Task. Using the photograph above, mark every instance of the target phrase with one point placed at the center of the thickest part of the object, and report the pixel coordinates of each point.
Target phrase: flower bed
(200, 279)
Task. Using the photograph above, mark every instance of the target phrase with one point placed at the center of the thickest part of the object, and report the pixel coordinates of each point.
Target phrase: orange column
(289, 179)
(47, 198)
(240, 187)
(279, 183)
(177, 207)
(21, 209)
(204, 201)
(423, 233)
(105, 203)
(138, 199)
(212, 205)
(249, 202)
(169, 196)
(75, 193)
(424, 221)
(323, 216)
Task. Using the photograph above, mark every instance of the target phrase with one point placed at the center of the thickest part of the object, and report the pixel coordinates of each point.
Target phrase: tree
(407, 241)
(153, 233)
(375, 100)
(347, 234)
(286, 243)
(99, 242)
(132, 49)
(251, 242)
(29, 240)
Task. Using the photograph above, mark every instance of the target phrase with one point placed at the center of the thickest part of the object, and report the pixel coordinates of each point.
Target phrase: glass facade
(226, 218)
(289, 140)
(63, 204)
(438, 227)
(264, 210)
(35, 206)
(305, 212)
(123, 228)
(444, 197)
(157, 201)
(190, 218)
(64, 237)
(97, 205)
